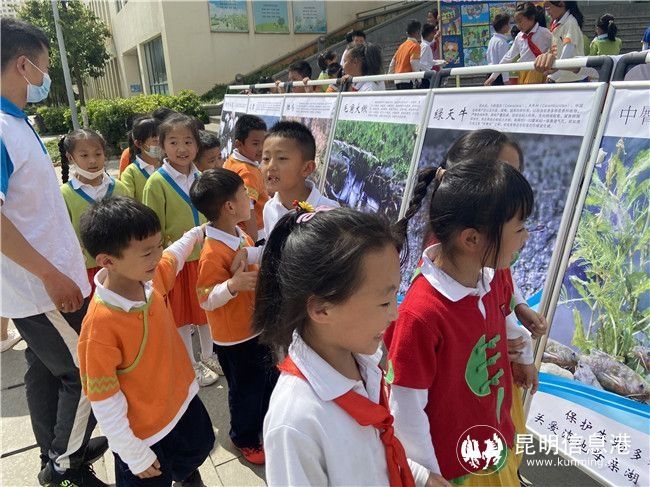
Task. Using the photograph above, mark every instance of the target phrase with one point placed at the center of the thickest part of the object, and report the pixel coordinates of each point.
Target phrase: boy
(134, 367)
(250, 132)
(209, 155)
(228, 303)
(499, 45)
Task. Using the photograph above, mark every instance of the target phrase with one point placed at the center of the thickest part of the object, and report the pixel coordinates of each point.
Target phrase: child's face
(554, 11)
(283, 165)
(88, 155)
(210, 159)
(523, 22)
(252, 146)
(296, 77)
(510, 156)
(180, 146)
(513, 237)
(138, 261)
(240, 206)
(358, 324)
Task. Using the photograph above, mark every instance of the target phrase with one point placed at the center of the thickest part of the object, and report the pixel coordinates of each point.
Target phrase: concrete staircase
(632, 19)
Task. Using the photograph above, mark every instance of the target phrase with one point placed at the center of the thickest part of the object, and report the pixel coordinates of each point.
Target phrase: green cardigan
(77, 202)
(133, 178)
(176, 212)
(605, 47)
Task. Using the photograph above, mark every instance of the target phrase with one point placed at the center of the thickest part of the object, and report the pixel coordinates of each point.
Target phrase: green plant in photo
(611, 249)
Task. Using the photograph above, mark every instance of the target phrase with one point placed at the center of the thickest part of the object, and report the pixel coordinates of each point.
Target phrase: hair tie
(306, 211)
(440, 172)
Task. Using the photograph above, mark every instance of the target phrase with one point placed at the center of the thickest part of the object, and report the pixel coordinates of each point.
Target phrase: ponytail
(133, 150)
(65, 164)
(607, 25)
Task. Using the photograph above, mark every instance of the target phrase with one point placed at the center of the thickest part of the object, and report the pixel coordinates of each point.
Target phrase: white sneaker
(213, 364)
(12, 338)
(204, 376)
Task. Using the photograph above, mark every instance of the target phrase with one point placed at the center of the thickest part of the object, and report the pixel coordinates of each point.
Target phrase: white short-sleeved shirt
(33, 202)
(567, 31)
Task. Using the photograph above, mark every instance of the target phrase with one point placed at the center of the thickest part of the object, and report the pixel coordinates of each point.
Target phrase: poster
(371, 153)
(550, 133)
(267, 107)
(450, 19)
(271, 17)
(597, 359)
(452, 51)
(228, 16)
(475, 56)
(309, 17)
(476, 36)
(233, 107)
(475, 13)
(317, 113)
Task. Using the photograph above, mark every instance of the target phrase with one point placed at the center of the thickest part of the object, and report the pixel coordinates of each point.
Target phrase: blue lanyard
(85, 195)
(181, 193)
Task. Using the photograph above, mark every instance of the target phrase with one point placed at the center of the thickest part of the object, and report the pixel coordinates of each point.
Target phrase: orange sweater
(232, 322)
(254, 183)
(125, 160)
(138, 352)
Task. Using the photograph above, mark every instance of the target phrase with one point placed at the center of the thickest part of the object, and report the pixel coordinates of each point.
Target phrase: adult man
(407, 57)
(44, 283)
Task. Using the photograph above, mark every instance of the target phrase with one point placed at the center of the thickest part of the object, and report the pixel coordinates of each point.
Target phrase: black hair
(500, 21)
(514, 32)
(178, 120)
(573, 9)
(212, 189)
(370, 57)
(607, 25)
(20, 38)
(109, 226)
(357, 33)
(319, 259)
(301, 67)
(208, 140)
(142, 129)
(67, 144)
(427, 29)
(433, 12)
(161, 113)
(246, 124)
(334, 70)
(413, 27)
(531, 12)
(482, 144)
(299, 133)
(348, 37)
(479, 194)
(325, 59)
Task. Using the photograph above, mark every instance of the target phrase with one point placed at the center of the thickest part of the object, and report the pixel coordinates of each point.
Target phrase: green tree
(85, 37)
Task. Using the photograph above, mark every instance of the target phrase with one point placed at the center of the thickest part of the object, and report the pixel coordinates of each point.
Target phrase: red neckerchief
(554, 25)
(367, 413)
(531, 45)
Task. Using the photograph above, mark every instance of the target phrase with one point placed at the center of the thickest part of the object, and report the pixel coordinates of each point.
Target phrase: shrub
(57, 120)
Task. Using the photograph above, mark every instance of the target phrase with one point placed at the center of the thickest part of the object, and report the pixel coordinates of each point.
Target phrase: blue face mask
(38, 93)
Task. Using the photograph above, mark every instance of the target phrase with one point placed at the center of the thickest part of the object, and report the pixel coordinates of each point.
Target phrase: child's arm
(509, 56)
(154, 197)
(128, 181)
(514, 331)
(184, 246)
(215, 286)
(533, 321)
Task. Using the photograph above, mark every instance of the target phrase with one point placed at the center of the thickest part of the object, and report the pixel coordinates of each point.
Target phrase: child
(134, 367)
(327, 291)
(499, 45)
(363, 60)
(334, 71)
(324, 61)
(447, 341)
(209, 151)
(167, 192)
(146, 154)
(606, 42)
(86, 150)
(567, 42)
(228, 301)
(250, 132)
(532, 41)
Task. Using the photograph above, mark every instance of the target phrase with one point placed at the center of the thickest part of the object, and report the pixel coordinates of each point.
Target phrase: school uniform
(246, 363)
(250, 172)
(136, 372)
(448, 361)
(135, 177)
(78, 197)
(406, 60)
(125, 160)
(602, 46)
(498, 47)
(569, 40)
(310, 440)
(369, 86)
(167, 192)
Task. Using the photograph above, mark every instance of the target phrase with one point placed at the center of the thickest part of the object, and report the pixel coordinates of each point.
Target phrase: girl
(606, 42)
(447, 342)
(145, 153)
(86, 150)
(327, 289)
(363, 60)
(324, 60)
(167, 193)
(532, 41)
(334, 71)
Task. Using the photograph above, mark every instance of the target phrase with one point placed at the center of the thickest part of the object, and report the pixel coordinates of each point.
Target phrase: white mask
(154, 151)
(87, 174)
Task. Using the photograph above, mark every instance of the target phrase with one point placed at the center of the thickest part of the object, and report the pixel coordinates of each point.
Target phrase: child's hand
(515, 347)
(488, 82)
(242, 280)
(240, 256)
(544, 62)
(436, 480)
(525, 376)
(534, 322)
(152, 471)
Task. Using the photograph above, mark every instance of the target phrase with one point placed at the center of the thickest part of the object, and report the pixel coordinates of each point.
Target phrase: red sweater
(432, 346)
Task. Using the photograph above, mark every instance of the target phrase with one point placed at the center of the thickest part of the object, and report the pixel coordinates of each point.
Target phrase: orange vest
(406, 52)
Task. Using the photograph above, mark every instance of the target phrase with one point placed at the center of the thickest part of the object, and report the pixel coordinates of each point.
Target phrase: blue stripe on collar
(10, 108)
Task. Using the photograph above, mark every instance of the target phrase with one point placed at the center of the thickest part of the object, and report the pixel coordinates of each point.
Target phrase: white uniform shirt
(426, 56)
(145, 166)
(568, 38)
(33, 202)
(183, 181)
(95, 192)
(498, 47)
(310, 440)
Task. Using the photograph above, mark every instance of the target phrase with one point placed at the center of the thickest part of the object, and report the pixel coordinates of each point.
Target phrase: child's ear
(238, 144)
(308, 168)
(105, 260)
(137, 143)
(470, 240)
(317, 310)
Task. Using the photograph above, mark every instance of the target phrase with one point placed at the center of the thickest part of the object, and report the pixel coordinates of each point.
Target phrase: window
(155, 62)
